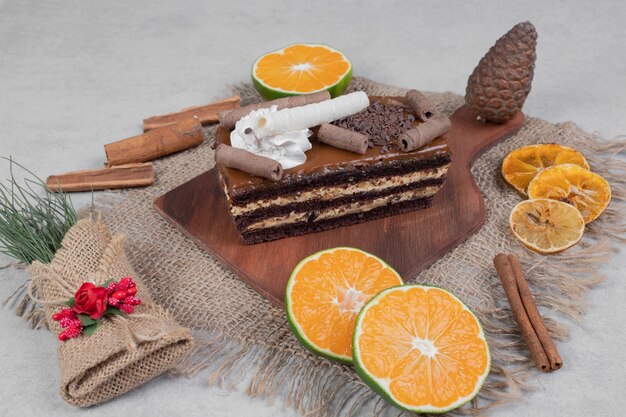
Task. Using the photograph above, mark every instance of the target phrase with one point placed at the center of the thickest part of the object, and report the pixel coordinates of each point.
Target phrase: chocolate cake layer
(339, 191)
(352, 173)
(242, 221)
(361, 206)
(265, 235)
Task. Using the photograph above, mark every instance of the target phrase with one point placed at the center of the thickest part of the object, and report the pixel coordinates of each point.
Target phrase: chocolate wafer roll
(248, 162)
(342, 138)
(423, 133)
(420, 104)
(229, 118)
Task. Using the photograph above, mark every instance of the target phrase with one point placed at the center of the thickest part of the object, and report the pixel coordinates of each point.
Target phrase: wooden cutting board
(408, 242)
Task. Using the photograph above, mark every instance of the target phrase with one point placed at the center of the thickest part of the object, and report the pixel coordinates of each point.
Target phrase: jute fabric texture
(244, 342)
(125, 351)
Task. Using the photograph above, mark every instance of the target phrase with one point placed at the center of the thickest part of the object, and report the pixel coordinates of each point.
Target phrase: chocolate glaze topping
(323, 159)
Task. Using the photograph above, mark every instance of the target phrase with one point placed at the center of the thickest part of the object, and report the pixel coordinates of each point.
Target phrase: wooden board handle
(464, 124)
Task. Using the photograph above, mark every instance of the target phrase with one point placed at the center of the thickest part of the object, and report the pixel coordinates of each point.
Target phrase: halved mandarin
(547, 226)
(325, 294)
(585, 190)
(421, 349)
(301, 69)
(520, 166)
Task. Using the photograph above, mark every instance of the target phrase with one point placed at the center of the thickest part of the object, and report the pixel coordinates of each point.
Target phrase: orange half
(421, 348)
(325, 294)
(301, 69)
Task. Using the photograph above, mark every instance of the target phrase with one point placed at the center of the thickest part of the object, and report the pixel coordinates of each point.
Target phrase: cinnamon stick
(205, 114)
(248, 162)
(420, 104)
(122, 176)
(541, 347)
(229, 118)
(158, 142)
(342, 138)
(424, 133)
(535, 317)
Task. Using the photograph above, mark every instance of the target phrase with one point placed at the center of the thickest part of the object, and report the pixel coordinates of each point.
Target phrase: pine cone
(500, 83)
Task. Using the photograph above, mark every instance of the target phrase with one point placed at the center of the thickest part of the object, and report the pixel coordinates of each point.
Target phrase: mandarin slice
(301, 69)
(520, 166)
(421, 348)
(547, 226)
(585, 190)
(326, 292)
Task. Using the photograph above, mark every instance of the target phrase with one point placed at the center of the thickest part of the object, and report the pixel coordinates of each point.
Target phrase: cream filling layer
(355, 207)
(330, 193)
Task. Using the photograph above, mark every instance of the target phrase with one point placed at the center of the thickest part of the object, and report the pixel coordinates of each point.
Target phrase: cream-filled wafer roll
(342, 138)
(423, 133)
(420, 104)
(311, 115)
(248, 162)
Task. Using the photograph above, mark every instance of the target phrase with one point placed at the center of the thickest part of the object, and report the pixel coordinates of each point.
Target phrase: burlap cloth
(125, 351)
(246, 342)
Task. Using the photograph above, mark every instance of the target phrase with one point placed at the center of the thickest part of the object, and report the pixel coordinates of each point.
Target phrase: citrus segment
(301, 69)
(421, 348)
(547, 226)
(585, 190)
(520, 166)
(326, 292)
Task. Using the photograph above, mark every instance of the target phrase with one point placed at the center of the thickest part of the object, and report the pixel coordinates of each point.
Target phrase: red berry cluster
(122, 295)
(68, 320)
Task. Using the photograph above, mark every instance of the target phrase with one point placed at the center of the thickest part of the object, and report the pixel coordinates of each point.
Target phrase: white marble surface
(75, 74)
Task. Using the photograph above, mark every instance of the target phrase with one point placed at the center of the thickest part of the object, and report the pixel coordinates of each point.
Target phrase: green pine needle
(33, 219)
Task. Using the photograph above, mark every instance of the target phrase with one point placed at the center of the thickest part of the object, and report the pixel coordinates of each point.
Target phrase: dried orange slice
(301, 69)
(421, 348)
(521, 165)
(326, 292)
(587, 191)
(547, 226)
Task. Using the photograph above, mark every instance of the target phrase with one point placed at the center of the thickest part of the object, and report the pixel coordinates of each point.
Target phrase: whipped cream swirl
(287, 148)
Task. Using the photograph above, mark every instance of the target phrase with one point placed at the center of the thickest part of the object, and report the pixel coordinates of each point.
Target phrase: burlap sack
(125, 351)
(245, 341)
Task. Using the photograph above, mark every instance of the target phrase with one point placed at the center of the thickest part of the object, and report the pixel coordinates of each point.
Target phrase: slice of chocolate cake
(335, 187)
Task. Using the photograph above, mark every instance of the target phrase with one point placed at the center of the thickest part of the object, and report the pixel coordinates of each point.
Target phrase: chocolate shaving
(424, 133)
(381, 123)
(342, 138)
(421, 105)
(248, 162)
(229, 118)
